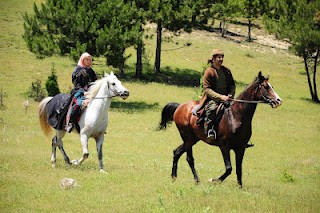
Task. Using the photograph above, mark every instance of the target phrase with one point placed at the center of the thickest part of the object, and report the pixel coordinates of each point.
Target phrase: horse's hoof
(103, 171)
(53, 165)
(174, 178)
(214, 180)
(75, 162)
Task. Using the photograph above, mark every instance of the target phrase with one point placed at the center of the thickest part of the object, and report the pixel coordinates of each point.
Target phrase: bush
(52, 86)
(36, 92)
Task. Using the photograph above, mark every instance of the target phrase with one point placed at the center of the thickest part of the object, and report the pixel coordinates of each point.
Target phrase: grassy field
(281, 172)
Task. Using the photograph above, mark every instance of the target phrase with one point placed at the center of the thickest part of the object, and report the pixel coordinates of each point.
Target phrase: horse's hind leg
(190, 160)
(57, 141)
(54, 151)
(176, 156)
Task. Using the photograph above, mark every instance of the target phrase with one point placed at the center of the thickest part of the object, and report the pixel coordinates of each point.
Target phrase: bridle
(265, 99)
(106, 97)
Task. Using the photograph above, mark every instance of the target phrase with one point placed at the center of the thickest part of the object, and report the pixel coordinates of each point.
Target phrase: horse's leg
(190, 160)
(99, 142)
(57, 141)
(84, 143)
(53, 155)
(226, 158)
(239, 157)
(176, 155)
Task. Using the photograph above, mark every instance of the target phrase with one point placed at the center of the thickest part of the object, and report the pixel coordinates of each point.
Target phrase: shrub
(52, 86)
(36, 92)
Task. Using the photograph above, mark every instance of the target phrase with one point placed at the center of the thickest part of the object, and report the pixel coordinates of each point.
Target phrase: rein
(265, 99)
(250, 102)
(102, 97)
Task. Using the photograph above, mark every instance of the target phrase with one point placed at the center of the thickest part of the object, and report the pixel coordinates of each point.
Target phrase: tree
(224, 10)
(52, 86)
(252, 10)
(299, 22)
(102, 28)
(173, 15)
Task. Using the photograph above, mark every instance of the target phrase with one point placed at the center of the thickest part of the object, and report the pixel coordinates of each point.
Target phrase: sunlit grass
(280, 173)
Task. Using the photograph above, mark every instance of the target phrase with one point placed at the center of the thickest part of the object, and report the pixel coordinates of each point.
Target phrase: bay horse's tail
(167, 114)
(46, 128)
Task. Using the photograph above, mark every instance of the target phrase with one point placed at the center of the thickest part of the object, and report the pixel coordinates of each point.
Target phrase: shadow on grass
(167, 75)
(132, 107)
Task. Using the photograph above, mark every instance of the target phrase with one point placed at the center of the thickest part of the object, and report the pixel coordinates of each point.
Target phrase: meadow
(281, 173)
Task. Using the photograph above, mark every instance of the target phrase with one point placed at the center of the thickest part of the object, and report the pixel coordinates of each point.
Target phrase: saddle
(202, 118)
(57, 109)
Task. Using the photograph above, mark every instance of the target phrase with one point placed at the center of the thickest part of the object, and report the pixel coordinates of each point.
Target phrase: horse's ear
(111, 73)
(106, 74)
(260, 76)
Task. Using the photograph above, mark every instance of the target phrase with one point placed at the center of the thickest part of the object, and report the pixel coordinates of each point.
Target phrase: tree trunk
(223, 27)
(308, 75)
(140, 47)
(249, 30)
(158, 48)
(139, 60)
(121, 67)
(315, 94)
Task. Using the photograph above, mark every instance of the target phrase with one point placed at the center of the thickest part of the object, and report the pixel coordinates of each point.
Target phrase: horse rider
(82, 76)
(218, 87)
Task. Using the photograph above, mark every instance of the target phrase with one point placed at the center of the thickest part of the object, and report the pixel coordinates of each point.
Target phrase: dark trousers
(210, 110)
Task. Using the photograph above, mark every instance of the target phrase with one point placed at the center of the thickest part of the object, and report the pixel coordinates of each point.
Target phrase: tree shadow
(132, 107)
(167, 75)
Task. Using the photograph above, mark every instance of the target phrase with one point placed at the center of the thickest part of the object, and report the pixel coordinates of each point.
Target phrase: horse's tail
(167, 114)
(46, 128)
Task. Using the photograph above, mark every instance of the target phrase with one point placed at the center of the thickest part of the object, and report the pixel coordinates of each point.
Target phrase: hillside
(281, 172)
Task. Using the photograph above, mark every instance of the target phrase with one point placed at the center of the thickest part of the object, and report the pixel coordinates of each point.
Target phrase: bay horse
(233, 131)
(93, 121)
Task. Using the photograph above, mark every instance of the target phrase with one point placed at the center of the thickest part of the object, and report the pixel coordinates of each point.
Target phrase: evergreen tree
(252, 10)
(225, 10)
(52, 86)
(102, 28)
(173, 15)
(299, 22)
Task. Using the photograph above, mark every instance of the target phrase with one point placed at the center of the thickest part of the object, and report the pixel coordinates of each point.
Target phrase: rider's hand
(224, 97)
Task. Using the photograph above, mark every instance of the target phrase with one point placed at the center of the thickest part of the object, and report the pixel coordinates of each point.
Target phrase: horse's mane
(253, 82)
(94, 88)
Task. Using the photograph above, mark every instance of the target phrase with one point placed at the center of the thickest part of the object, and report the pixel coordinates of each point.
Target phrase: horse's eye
(113, 84)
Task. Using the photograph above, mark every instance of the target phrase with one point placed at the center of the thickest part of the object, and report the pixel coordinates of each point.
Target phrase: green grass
(281, 172)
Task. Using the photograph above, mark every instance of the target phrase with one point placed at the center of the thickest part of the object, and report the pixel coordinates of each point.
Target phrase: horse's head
(265, 92)
(115, 86)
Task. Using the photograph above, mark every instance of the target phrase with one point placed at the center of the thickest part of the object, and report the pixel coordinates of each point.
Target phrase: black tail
(167, 114)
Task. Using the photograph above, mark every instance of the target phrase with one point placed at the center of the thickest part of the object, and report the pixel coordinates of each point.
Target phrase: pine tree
(299, 22)
(173, 15)
(102, 28)
(52, 86)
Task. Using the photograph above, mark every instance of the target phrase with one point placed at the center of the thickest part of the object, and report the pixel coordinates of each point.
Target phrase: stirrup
(69, 127)
(212, 135)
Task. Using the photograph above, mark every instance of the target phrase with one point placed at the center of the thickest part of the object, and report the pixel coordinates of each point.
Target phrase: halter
(103, 97)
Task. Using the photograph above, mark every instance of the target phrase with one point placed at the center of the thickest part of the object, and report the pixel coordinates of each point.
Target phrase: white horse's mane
(95, 86)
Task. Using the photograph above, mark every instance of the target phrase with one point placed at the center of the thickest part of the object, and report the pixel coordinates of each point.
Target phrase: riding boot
(69, 127)
(70, 120)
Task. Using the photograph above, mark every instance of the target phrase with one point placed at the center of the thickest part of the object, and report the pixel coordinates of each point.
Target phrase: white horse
(93, 122)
